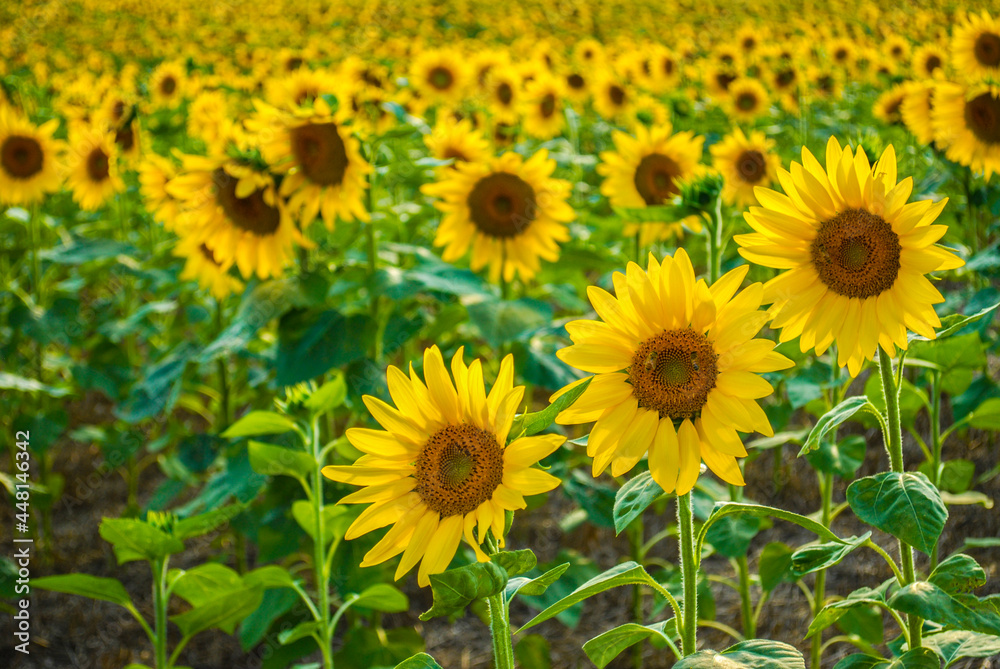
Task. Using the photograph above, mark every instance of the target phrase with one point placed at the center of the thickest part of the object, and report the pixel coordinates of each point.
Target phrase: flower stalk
(689, 575)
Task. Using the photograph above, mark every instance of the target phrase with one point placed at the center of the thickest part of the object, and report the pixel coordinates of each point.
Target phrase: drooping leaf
(335, 520)
(906, 505)
(633, 498)
(304, 629)
(814, 557)
(755, 654)
(268, 577)
(273, 460)
(455, 589)
(965, 612)
(533, 587)
(203, 523)
(731, 536)
(419, 661)
(382, 597)
(605, 647)
(223, 612)
(834, 417)
(987, 415)
(205, 582)
(830, 613)
(725, 509)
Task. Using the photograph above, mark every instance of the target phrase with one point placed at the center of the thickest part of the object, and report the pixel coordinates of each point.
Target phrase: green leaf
(755, 654)
(905, 505)
(515, 563)
(731, 536)
(310, 343)
(273, 460)
(419, 661)
(382, 597)
(864, 622)
(203, 583)
(222, 612)
(259, 422)
(965, 612)
(269, 576)
(953, 646)
(832, 612)
(627, 573)
(662, 213)
(955, 322)
(455, 589)
(812, 558)
(135, 540)
(603, 648)
(203, 523)
(917, 658)
(503, 321)
(775, 565)
(842, 458)
(987, 415)
(633, 498)
(958, 574)
(956, 475)
(533, 651)
(22, 384)
(85, 585)
(329, 396)
(300, 631)
(724, 509)
(834, 417)
(528, 424)
(334, 519)
(532, 587)
(83, 250)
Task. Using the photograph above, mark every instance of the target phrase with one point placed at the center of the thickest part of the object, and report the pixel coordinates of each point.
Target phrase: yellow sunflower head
(929, 62)
(975, 46)
(916, 108)
(747, 99)
(613, 98)
(509, 210)
(440, 75)
(544, 107)
(745, 163)
(442, 469)
(454, 139)
(676, 372)
(92, 166)
(887, 106)
(966, 124)
(167, 85)
(855, 251)
(154, 174)
(503, 93)
(202, 266)
(29, 158)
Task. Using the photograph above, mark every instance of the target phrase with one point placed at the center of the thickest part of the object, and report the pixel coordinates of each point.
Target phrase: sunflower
(916, 109)
(744, 164)
(155, 172)
(235, 210)
(300, 88)
(320, 159)
(456, 139)
(544, 115)
(928, 62)
(747, 99)
(577, 86)
(442, 470)
(508, 209)
(128, 139)
(718, 79)
(93, 168)
(29, 167)
(205, 116)
(966, 122)
(646, 170)
(665, 69)
(887, 106)
(503, 93)
(612, 97)
(975, 46)
(897, 51)
(166, 85)
(440, 75)
(856, 251)
(588, 53)
(675, 366)
(842, 52)
(202, 266)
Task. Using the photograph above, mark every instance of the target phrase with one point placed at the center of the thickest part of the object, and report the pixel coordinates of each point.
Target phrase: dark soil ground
(73, 632)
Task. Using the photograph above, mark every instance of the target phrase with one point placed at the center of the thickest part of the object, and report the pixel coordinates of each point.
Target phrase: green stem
(504, 285)
(936, 441)
(223, 373)
(503, 646)
(638, 246)
(160, 610)
(636, 538)
(819, 588)
(894, 446)
(689, 575)
(319, 562)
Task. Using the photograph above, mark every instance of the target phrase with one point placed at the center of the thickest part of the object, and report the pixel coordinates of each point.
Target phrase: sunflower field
(457, 334)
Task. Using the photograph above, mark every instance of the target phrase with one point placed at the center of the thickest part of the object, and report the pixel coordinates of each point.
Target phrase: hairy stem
(689, 575)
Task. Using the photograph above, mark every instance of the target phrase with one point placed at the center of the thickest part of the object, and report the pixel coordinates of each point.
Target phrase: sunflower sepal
(455, 589)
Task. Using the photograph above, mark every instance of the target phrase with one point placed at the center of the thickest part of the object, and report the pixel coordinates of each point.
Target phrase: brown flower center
(575, 81)
(667, 64)
(785, 78)
(125, 138)
(118, 110)
(441, 78)
(502, 205)
(723, 79)
(320, 151)
(250, 213)
(617, 95)
(505, 93)
(21, 157)
(987, 49)
(982, 116)
(452, 152)
(673, 372)
(856, 254)
(98, 167)
(746, 101)
(548, 105)
(751, 166)
(293, 64)
(458, 469)
(168, 85)
(933, 62)
(654, 178)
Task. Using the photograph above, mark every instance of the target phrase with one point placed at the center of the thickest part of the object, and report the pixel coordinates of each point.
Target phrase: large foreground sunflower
(28, 158)
(511, 211)
(442, 469)
(856, 254)
(966, 123)
(676, 370)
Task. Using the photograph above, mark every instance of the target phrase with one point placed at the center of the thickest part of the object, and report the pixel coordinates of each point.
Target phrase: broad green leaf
(956, 475)
(906, 505)
(85, 585)
(503, 321)
(382, 597)
(953, 646)
(259, 422)
(830, 613)
(300, 631)
(528, 424)
(958, 574)
(533, 650)
(135, 540)
(455, 589)
(275, 604)
(335, 520)
(731, 536)
(83, 250)
(222, 612)
(842, 458)
(834, 417)
(755, 654)
(367, 648)
(775, 565)
(203, 523)
(205, 582)
(269, 576)
(14, 382)
(603, 648)
(966, 612)
(918, 658)
(627, 573)
(310, 343)
(724, 509)
(864, 622)
(987, 415)
(812, 558)
(272, 460)
(419, 661)
(515, 563)
(633, 498)
(532, 587)
(329, 396)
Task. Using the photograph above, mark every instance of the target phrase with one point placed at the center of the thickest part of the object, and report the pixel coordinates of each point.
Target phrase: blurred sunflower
(718, 79)
(93, 167)
(300, 88)
(128, 139)
(155, 172)
(975, 46)
(509, 210)
(856, 254)
(588, 53)
(442, 469)
(320, 159)
(456, 139)
(440, 75)
(577, 86)
(665, 69)
(916, 109)
(897, 51)
(676, 372)
(202, 266)
(503, 90)
(29, 156)
(747, 99)
(204, 119)
(966, 123)
(612, 98)
(166, 85)
(744, 163)
(544, 115)
(646, 170)
(928, 62)
(235, 210)
(887, 106)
